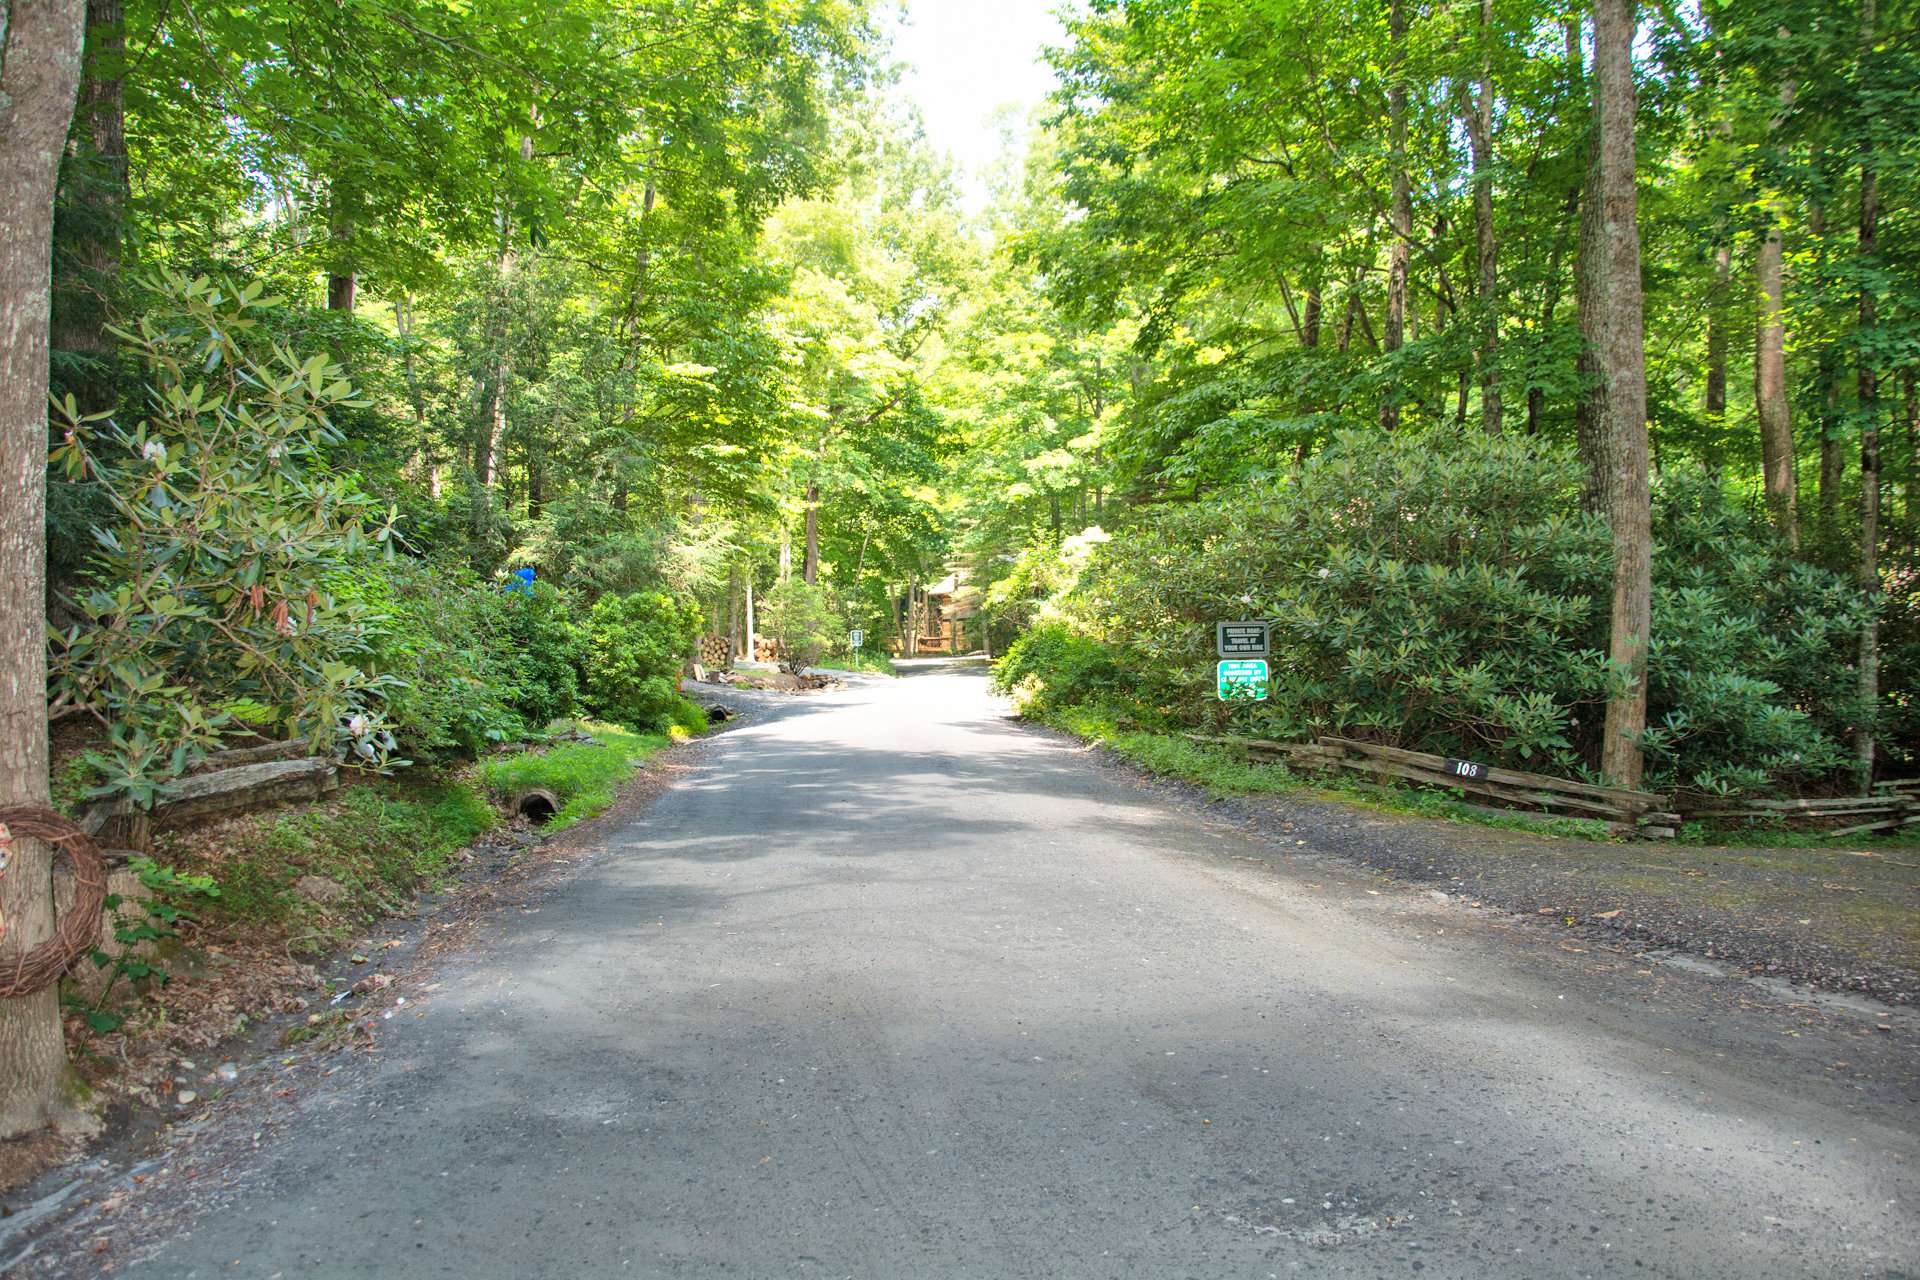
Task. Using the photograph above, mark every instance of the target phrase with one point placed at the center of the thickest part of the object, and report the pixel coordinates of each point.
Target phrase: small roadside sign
(856, 638)
(1241, 639)
(1242, 680)
(1471, 770)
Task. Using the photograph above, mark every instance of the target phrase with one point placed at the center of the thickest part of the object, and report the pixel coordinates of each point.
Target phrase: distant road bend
(891, 986)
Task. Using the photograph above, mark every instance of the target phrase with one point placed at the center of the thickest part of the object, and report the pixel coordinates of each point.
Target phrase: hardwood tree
(1614, 413)
(40, 48)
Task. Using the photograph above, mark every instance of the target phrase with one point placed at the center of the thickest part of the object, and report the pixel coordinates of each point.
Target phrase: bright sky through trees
(965, 59)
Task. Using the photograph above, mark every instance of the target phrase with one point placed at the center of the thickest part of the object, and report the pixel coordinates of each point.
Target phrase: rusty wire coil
(73, 937)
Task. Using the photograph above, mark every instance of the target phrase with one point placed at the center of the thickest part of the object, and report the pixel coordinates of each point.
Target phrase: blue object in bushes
(522, 581)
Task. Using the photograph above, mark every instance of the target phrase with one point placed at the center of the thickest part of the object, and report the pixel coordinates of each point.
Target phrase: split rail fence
(1626, 812)
(1893, 806)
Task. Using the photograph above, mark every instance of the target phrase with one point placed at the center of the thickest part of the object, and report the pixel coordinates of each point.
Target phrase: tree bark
(91, 213)
(40, 45)
(1310, 328)
(810, 564)
(1833, 461)
(1716, 395)
(492, 429)
(1485, 238)
(1910, 385)
(1869, 394)
(343, 282)
(1393, 331)
(1614, 417)
(1770, 361)
(1770, 382)
(423, 463)
(753, 640)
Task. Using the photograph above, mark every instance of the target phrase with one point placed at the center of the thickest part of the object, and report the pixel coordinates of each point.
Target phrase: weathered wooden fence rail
(1892, 806)
(1626, 812)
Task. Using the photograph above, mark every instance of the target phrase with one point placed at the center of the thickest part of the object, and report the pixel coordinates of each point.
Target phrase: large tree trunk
(92, 211)
(1486, 241)
(1869, 662)
(1614, 418)
(39, 73)
(1770, 382)
(1393, 332)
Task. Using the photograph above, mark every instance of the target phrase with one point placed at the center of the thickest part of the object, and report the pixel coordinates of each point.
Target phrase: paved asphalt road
(892, 987)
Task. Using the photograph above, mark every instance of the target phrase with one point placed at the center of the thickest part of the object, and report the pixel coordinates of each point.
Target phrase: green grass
(1218, 769)
(1223, 771)
(385, 839)
(864, 660)
(584, 775)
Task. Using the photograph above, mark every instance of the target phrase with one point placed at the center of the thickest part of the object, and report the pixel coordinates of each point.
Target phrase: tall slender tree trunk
(492, 430)
(1716, 394)
(1770, 381)
(1910, 384)
(1770, 360)
(1833, 462)
(1869, 393)
(1718, 296)
(642, 265)
(1355, 307)
(1485, 238)
(39, 73)
(1393, 331)
(810, 563)
(753, 638)
(733, 611)
(1310, 329)
(1614, 417)
(423, 462)
(343, 281)
(91, 212)
(1550, 305)
(1833, 459)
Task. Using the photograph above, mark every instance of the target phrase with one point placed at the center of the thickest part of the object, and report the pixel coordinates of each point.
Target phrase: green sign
(1244, 680)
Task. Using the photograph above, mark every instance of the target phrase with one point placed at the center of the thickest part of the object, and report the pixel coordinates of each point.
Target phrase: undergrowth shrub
(218, 528)
(801, 618)
(1449, 594)
(633, 651)
(1051, 667)
(445, 641)
(545, 653)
